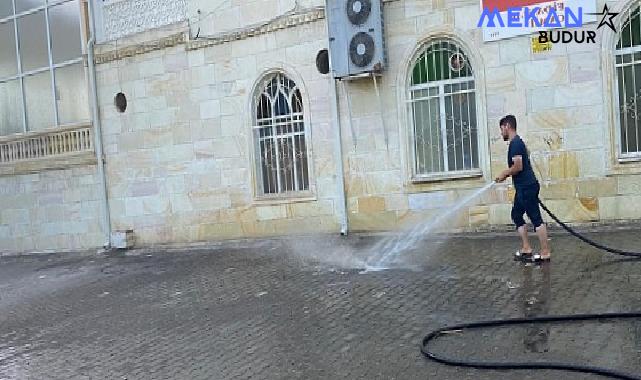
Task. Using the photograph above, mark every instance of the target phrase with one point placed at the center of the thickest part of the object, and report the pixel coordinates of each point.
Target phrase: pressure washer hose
(545, 319)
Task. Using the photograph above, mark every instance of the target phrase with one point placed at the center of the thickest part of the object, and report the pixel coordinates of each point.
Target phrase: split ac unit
(355, 37)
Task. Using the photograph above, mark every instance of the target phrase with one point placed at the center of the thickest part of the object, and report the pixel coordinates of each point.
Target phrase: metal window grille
(279, 131)
(628, 69)
(35, 60)
(443, 107)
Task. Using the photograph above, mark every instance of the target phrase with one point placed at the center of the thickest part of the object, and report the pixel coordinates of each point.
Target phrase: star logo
(607, 18)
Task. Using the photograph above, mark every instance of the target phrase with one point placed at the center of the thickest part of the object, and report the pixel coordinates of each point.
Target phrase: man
(526, 199)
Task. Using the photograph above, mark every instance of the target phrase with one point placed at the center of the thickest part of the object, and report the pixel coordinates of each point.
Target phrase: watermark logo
(536, 17)
(607, 18)
(583, 36)
(559, 21)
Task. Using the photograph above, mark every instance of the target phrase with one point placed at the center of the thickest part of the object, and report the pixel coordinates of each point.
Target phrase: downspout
(95, 115)
(338, 146)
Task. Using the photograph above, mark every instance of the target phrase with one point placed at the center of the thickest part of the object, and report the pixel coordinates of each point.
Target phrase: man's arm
(516, 167)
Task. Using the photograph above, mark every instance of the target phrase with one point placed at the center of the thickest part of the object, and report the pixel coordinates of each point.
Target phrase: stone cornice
(283, 22)
(142, 48)
(301, 17)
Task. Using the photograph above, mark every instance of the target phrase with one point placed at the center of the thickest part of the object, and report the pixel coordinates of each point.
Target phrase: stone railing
(46, 144)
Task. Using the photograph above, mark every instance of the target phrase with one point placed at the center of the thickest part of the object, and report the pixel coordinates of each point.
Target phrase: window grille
(443, 107)
(279, 130)
(628, 72)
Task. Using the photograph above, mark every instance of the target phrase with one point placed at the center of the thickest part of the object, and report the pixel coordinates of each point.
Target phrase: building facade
(212, 121)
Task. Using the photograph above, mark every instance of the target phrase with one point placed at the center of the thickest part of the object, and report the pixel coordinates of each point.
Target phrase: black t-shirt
(526, 176)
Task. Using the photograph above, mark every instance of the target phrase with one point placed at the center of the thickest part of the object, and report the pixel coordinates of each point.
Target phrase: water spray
(388, 249)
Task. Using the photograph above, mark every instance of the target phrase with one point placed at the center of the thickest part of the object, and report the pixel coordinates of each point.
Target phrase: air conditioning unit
(355, 37)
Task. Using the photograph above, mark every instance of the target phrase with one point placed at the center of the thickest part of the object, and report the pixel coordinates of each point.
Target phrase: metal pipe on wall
(338, 145)
(98, 127)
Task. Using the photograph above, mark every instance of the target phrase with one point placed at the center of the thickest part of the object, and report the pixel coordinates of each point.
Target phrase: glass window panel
(419, 136)
(71, 94)
(10, 108)
(450, 134)
(6, 8)
(420, 73)
(636, 103)
(622, 108)
(8, 58)
(64, 22)
(626, 35)
(286, 164)
(32, 32)
(428, 137)
(297, 104)
(282, 106)
(272, 87)
(473, 131)
(629, 99)
(417, 94)
(303, 175)
(268, 160)
(459, 130)
(466, 147)
(636, 30)
(25, 5)
(299, 126)
(39, 101)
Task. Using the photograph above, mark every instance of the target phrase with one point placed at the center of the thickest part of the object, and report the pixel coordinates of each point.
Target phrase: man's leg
(517, 217)
(525, 241)
(534, 213)
(542, 233)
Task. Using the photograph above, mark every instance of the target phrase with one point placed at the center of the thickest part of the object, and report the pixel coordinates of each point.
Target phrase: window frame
(21, 75)
(415, 176)
(620, 156)
(256, 163)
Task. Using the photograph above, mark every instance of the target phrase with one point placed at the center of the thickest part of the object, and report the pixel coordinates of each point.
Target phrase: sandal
(538, 257)
(518, 255)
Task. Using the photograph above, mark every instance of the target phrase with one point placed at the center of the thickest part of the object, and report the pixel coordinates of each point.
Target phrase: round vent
(358, 11)
(120, 101)
(322, 61)
(361, 49)
(457, 62)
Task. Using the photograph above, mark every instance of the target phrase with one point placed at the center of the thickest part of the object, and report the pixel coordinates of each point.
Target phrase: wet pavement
(259, 310)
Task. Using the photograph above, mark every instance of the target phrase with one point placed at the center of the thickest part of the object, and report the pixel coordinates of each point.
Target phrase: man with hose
(526, 199)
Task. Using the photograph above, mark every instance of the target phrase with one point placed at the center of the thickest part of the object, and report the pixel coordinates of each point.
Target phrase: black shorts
(526, 201)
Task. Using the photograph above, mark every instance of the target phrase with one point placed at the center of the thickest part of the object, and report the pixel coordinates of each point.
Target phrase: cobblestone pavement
(268, 310)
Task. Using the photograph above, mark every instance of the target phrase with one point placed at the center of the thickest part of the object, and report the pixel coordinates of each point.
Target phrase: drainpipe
(95, 115)
(338, 146)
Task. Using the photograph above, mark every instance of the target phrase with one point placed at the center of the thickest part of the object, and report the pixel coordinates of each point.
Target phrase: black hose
(545, 319)
(586, 240)
(526, 365)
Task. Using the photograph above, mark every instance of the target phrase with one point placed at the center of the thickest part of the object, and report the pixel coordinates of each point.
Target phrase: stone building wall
(50, 211)
(180, 159)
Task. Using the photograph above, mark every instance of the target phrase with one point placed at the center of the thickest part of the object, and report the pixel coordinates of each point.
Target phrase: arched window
(443, 108)
(628, 72)
(279, 134)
